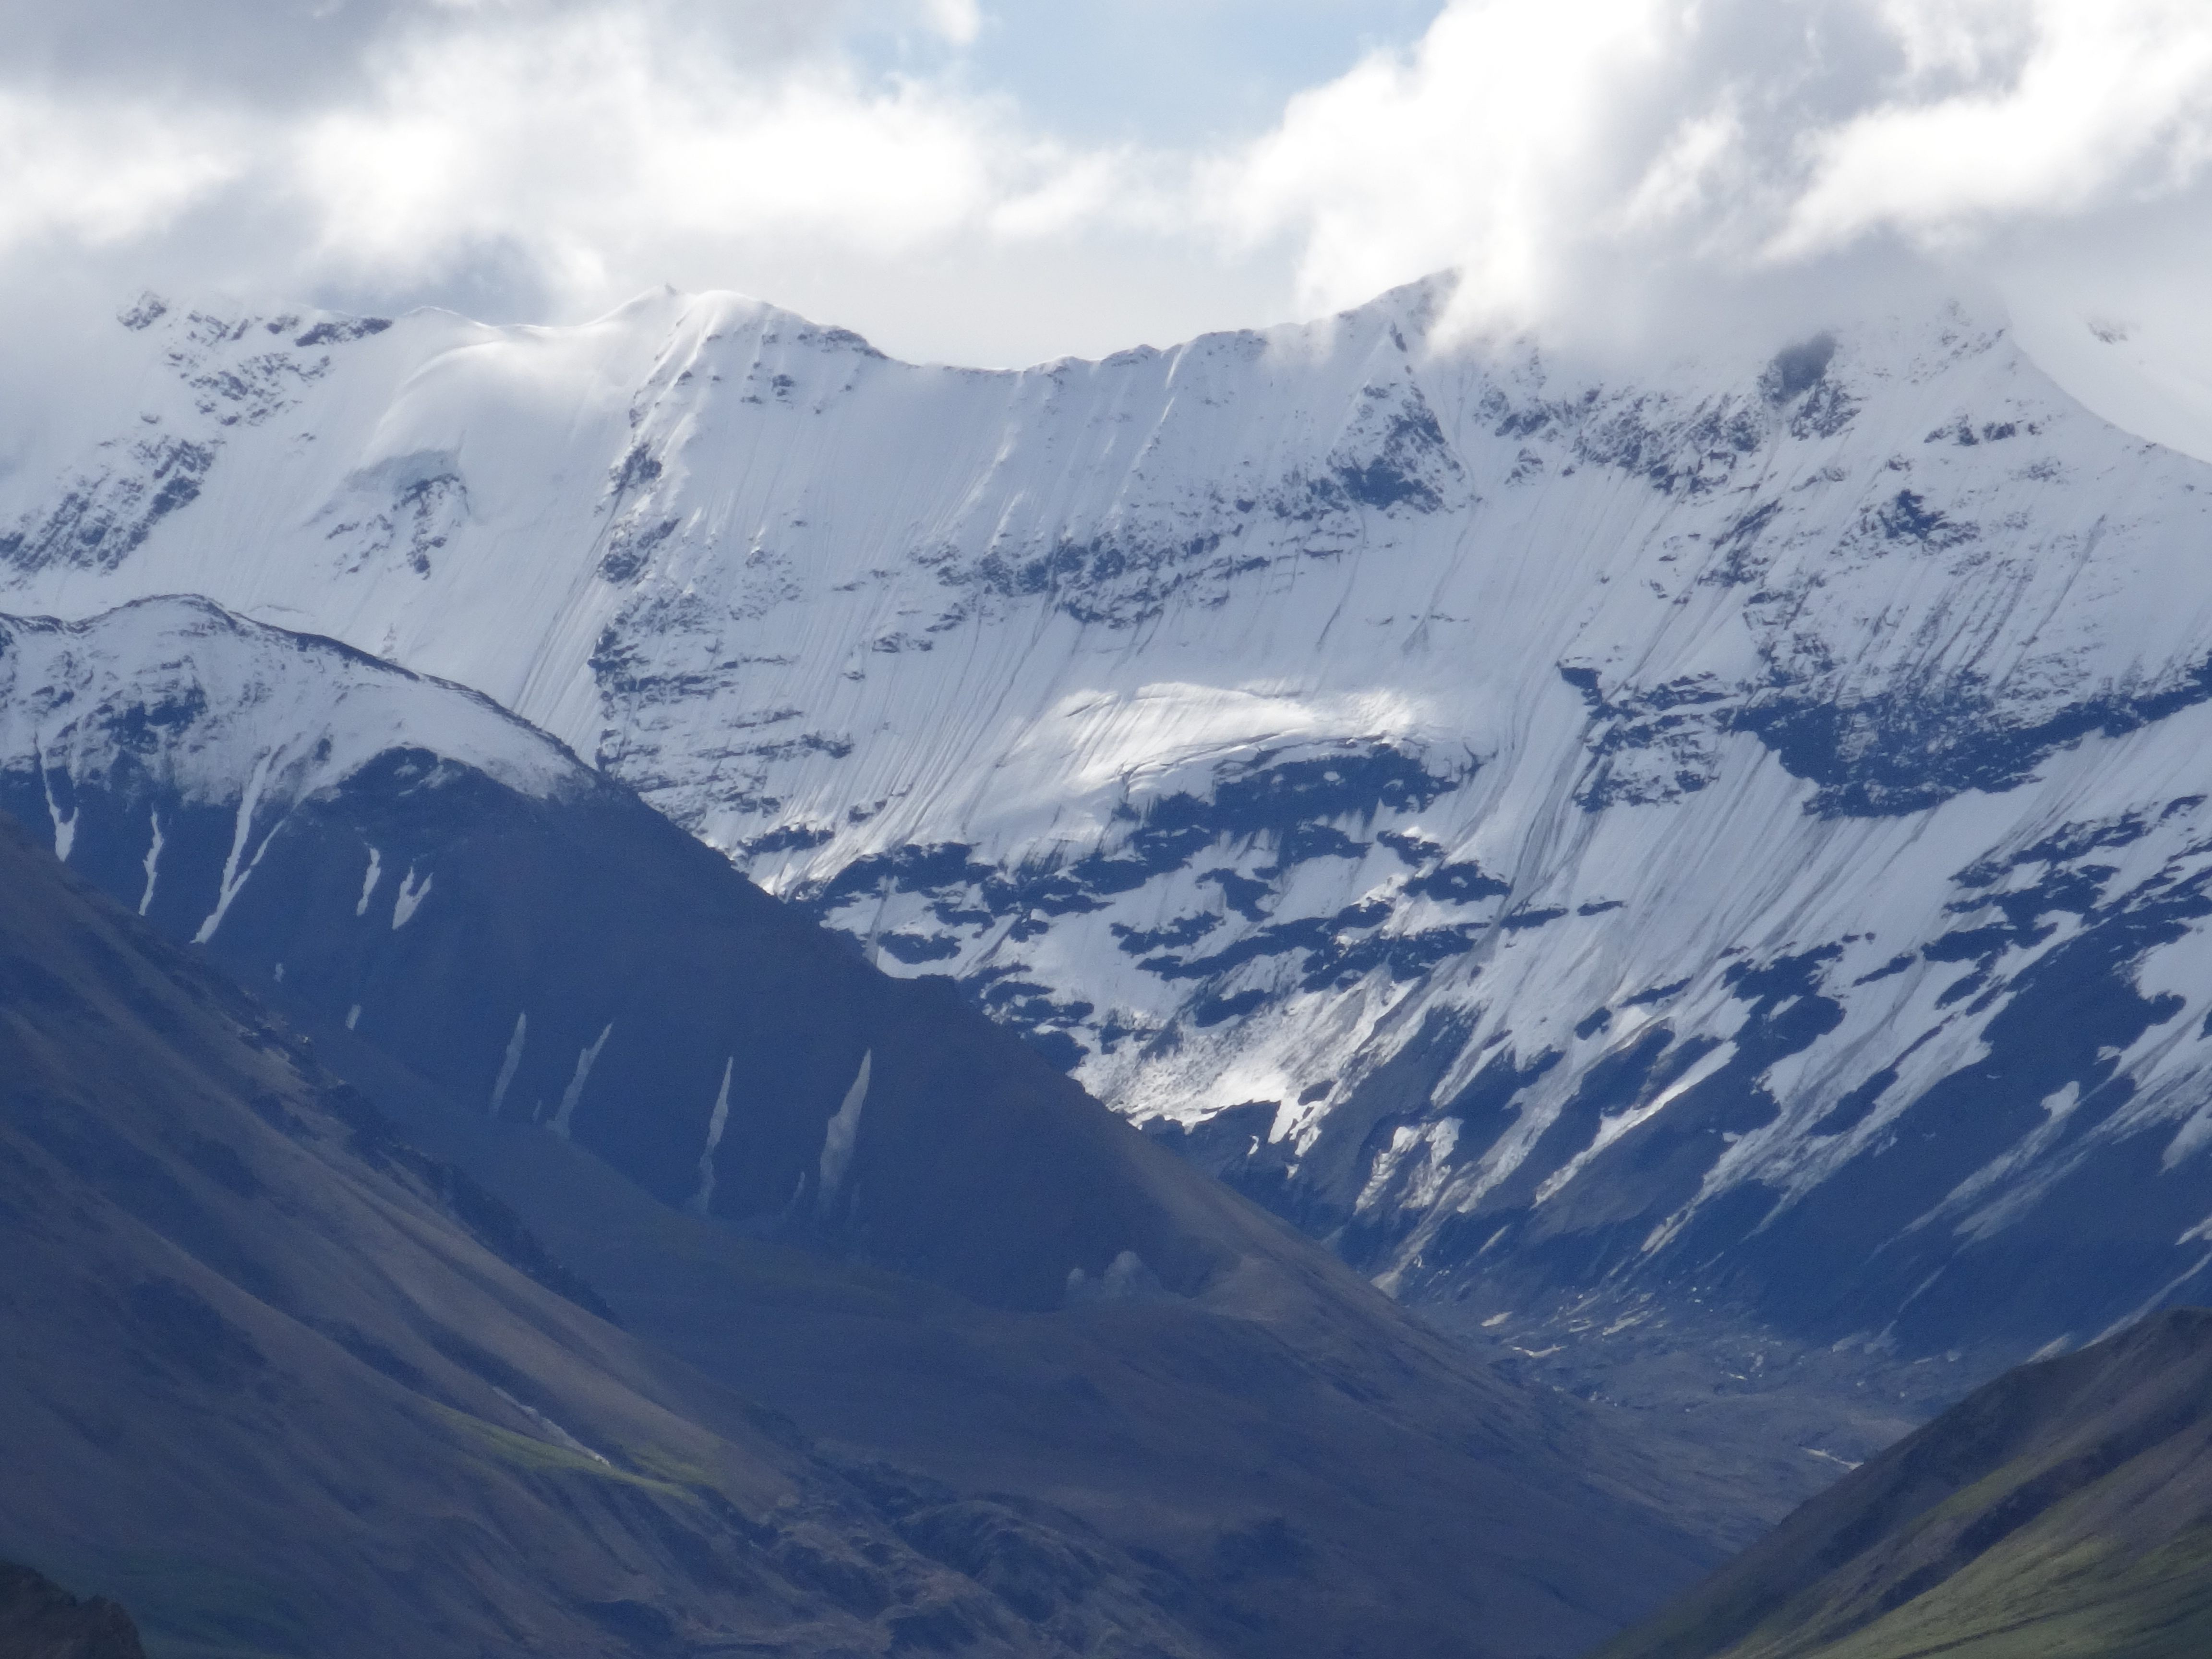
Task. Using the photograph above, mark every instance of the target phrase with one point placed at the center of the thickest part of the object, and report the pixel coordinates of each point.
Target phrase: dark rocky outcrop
(40, 1620)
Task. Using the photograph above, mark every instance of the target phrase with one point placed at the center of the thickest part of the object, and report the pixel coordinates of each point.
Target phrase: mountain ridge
(1551, 836)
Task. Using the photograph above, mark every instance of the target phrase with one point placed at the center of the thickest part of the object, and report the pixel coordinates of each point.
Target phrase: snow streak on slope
(1534, 829)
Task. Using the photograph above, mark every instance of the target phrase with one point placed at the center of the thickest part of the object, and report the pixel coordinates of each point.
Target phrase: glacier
(1731, 834)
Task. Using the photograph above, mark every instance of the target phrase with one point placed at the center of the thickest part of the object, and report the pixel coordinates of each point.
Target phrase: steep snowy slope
(1737, 837)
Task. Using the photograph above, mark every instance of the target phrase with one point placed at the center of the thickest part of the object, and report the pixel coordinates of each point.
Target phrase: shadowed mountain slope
(2064, 1511)
(399, 856)
(271, 1379)
(1305, 1479)
(1055, 1358)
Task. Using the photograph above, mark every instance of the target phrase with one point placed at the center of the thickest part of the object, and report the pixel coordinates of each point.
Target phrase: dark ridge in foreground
(2064, 1511)
(265, 1382)
(40, 1620)
(287, 1386)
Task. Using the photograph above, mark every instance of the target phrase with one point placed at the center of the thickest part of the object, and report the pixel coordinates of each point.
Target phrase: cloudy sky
(1002, 181)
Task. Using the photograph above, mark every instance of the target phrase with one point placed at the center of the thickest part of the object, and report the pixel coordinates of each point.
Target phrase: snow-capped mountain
(1737, 833)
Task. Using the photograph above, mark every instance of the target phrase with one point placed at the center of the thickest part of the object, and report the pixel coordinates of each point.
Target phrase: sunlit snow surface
(1562, 815)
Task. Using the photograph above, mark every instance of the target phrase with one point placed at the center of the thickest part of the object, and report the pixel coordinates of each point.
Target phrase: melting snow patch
(411, 896)
(507, 1067)
(553, 1430)
(233, 878)
(715, 1123)
(368, 882)
(842, 1135)
(65, 828)
(153, 865)
(353, 1016)
(574, 1092)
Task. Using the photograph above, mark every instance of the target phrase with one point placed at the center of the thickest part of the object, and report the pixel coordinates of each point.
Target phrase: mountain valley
(1129, 1412)
(1691, 877)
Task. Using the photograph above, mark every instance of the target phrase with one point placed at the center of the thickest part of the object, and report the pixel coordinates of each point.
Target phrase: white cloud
(1489, 147)
(958, 20)
(585, 143)
(555, 158)
(1580, 152)
(2033, 112)
(102, 173)
(1576, 158)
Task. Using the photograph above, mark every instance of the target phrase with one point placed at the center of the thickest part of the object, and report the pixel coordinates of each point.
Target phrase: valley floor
(1739, 1427)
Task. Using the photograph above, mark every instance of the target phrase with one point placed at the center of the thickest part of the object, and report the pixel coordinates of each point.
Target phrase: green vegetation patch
(532, 1456)
(2042, 1603)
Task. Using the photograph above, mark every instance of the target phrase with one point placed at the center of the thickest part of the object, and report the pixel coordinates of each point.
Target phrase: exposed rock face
(40, 1620)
